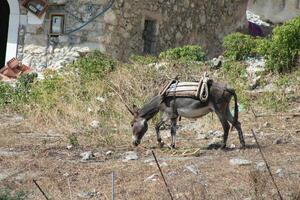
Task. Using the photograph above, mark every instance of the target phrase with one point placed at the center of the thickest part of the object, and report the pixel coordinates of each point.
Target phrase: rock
(88, 155)
(279, 172)
(254, 83)
(95, 124)
(193, 169)
(153, 177)
(108, 153)
(232, 146)
(87, 195)
(216, 63)
(261, 166)
(279, 141)
(239, 162)
(267, 125)
(130, 155)
(214, 134)
(69, 146)
(100, 99)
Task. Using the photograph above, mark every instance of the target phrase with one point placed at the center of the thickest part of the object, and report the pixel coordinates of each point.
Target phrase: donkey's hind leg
(237, 125)
(226, 128)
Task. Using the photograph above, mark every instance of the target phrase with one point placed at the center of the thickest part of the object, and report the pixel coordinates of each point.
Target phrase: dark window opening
(4, 16)
(150, 37)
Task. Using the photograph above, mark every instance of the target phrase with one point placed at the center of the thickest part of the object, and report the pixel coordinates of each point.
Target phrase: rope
(203, 94)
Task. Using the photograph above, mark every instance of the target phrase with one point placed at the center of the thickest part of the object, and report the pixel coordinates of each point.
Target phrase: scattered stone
(66, 174)
(100, 99)
(153, 177)
(108, 153)
(216, 63)
(239, 162)
(261, 166)
(87, 156)
(69, 146)
(279, 172)
(87, 195)
(214, 134)
(232, 146)
(130, 155)
(89, 110)
(193, 169)
(278, 141)
(267, 125)
(95, 124)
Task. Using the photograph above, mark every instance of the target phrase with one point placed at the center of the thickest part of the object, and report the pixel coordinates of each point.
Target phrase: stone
(88, 155)
(100, 99)
(192, 168)
(239, 162)
(267, 125)
(261, 166)
(130, 155)
(153, 177)
(279, 173)
(95, 124)
(216, 63)
(87, 195)
(109, 153)
(69, 147)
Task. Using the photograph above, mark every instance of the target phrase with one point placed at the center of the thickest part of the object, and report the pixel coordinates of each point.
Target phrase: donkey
(173, 107)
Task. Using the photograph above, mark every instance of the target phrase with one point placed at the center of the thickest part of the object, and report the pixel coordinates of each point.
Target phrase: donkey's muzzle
(136, 142)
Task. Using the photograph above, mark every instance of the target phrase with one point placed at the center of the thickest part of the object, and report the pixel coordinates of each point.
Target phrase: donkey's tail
(236, 106)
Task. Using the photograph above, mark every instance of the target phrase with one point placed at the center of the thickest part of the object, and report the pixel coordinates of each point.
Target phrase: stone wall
(121, 31)
(275, 11)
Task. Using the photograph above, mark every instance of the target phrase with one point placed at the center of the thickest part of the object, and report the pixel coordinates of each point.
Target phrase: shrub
(144, 60)
(239, 46)
(185, 53)
(93, 66)
(284, 46)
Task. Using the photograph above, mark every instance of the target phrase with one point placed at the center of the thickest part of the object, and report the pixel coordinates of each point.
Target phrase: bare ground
(192, 170)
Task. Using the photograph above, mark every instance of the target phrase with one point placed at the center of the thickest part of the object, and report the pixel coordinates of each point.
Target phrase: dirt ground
(192, 171)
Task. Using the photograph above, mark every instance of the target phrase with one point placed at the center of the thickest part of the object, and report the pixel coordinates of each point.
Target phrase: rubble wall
(120, 32)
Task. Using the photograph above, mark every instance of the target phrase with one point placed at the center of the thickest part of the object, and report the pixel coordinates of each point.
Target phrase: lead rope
(203, 94)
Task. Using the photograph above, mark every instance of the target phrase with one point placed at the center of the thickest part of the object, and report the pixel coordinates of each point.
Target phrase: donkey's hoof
(172, 146)
(161, 144)
(223, 146)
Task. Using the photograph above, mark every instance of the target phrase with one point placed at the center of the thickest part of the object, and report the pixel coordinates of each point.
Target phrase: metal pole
(268, 167)
(113, 185)
(162, 175)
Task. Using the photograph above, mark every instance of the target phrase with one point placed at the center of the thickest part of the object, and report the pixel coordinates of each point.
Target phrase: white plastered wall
(13, 28)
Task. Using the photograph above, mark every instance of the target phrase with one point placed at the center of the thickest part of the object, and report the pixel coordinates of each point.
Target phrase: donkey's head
(139, 126)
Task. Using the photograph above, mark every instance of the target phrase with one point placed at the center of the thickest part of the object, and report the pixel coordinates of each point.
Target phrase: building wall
(120, 32)
(275, 11)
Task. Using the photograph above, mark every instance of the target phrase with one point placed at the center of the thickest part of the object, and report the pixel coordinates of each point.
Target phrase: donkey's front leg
(157, 128)
(173, 132)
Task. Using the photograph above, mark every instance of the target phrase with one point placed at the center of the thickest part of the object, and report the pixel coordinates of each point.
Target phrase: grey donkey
(173, 107)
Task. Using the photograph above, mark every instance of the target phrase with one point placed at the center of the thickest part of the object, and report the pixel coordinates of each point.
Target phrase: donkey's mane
(151, 108)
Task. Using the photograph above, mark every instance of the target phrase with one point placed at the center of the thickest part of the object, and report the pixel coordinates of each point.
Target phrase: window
(150, 36)
(56, 24)
(37, 7)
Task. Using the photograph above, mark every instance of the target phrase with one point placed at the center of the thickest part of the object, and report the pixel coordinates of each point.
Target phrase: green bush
(144, 60)
(94, 66)
(185, 53)
(284, 46)
(239, 46)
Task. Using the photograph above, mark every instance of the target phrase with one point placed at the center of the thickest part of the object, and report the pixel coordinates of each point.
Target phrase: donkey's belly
(194, 113)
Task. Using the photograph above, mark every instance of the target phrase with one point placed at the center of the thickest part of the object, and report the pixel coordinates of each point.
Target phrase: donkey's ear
(135, 109)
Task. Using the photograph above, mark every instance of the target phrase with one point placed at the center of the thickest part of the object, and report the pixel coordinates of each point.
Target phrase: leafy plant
(239, 46)
(284, 46)
(185, 53)
(144, 60)
(93, 66)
